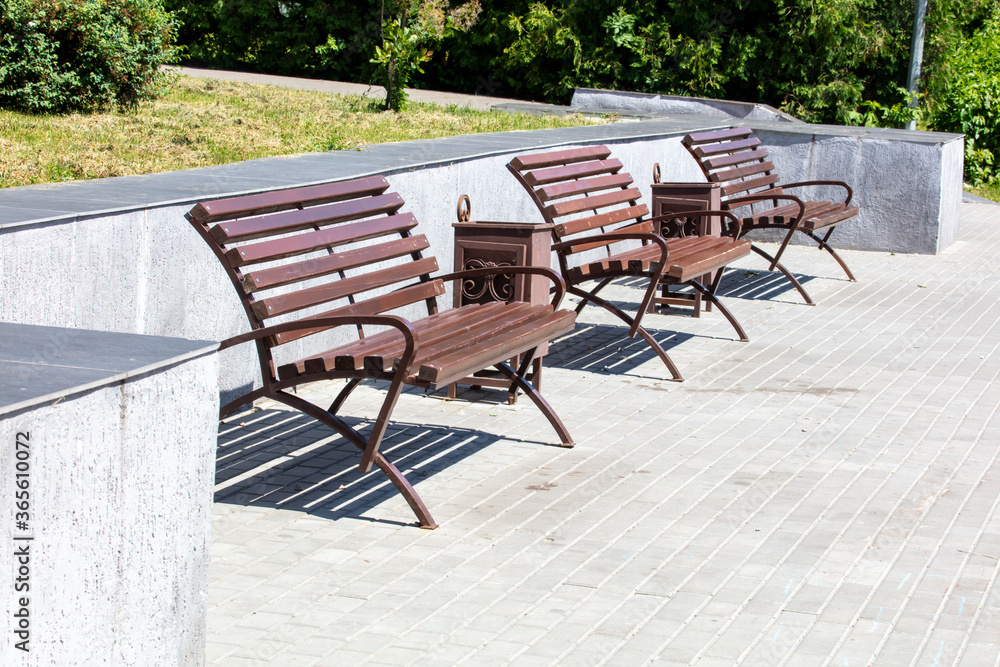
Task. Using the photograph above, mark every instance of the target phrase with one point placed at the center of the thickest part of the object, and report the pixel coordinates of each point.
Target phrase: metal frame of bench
(591, 204)
(291, 254)
(735, 158)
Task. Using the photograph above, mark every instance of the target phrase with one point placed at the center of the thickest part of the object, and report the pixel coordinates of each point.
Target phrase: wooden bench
(594, 208)
(312, 259)
(735, 158)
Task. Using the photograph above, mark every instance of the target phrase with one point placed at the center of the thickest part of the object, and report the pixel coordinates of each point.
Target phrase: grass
(202, 122)
(990, 191)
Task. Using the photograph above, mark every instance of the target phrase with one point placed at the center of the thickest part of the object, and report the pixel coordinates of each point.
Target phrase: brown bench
(311, 259)
(593, 207)
(735, 158)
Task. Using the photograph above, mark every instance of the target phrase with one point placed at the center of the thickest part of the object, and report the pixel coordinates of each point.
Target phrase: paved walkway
(825, 494)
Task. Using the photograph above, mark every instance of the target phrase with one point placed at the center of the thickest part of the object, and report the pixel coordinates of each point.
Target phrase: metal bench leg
(245, 399)
(823, 244)
(405, 489)
(617, 312)
(781, 249)
(785, 272)
(707, 293)
(338, 402)
(517, 378)
(586, 295)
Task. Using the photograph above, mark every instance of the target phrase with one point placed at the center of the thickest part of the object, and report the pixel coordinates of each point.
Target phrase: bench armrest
(400, 323)
(850, 192)
(557, 280)
(734, 230)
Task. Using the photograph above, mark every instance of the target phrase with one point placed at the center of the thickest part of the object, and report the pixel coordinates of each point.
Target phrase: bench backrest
(581, 191)
(735, 158)
(332, 249)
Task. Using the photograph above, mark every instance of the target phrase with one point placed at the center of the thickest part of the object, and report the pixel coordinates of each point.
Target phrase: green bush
(333, 39)
(408, 41)
(969, 100)
(77, 55)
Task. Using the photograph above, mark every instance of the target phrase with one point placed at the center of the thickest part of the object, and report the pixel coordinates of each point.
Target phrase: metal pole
(916, 57)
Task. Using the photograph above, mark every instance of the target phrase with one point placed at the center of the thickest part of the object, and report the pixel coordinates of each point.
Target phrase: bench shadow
(606, 349)
(760, 285)
(742, 283)
(283, 459)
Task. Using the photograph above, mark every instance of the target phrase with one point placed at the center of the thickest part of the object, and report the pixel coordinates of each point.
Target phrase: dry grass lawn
(201, 122)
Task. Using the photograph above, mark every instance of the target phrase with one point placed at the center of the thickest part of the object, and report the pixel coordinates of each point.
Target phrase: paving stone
(791, 487)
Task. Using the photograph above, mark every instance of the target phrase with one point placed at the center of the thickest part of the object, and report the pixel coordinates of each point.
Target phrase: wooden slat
(646, 227)
(572, 172)
(737, 158)
(579, 204)
(373, 306)
(471, 334)
(697, 259)
(460, 334)
(712, 136)
(832, 218)
(726, 147)
(782, 209)
(283, 200)
(389, 344)
(339, 289)
(334, 236)
(750, 184)
(585, 186)
(571, 227)
(356, 349)
(634, 260)
(552, 158)
(727, 175)
(317, 216)
(511, 342)
(339, 261)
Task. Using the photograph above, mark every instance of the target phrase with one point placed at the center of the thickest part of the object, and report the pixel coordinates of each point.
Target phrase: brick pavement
(824, 494)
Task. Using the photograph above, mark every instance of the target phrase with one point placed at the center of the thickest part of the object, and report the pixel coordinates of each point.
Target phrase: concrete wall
(147, 271)
(675, 105)
(908, 184)
(121, 496)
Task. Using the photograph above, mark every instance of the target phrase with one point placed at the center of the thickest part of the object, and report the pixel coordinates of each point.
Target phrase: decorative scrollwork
(679, 227)
(495, 287)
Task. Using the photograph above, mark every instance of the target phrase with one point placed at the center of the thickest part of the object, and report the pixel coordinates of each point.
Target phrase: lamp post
(916, 57)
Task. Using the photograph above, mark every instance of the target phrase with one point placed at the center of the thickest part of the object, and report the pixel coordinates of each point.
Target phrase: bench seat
(452, 344)
(688, 258)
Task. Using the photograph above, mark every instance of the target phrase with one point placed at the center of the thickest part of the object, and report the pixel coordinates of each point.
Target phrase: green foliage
(323, 38)
(834, 61)
(875, 114)
(399, 58)
(405, 42)
(969, 100)
(66, 55)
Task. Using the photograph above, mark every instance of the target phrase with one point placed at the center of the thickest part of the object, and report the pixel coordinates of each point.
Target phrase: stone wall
(120, 492)
(145, 270)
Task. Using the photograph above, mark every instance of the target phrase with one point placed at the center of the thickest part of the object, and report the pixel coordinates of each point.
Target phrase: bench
(341, 255)
(594, 208)
(735, 158)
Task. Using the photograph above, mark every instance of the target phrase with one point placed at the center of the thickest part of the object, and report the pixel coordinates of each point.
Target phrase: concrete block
(119, 513)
